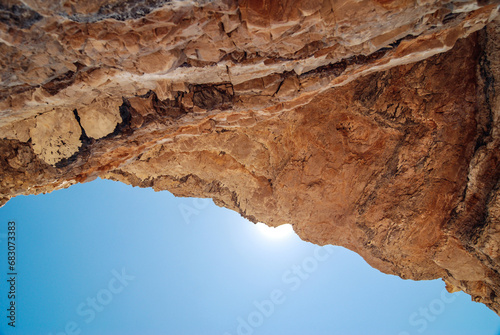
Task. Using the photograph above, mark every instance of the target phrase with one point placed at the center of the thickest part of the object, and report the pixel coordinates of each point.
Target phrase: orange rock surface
(373, 125)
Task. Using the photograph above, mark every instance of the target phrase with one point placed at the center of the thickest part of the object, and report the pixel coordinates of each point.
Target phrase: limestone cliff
(369, 124)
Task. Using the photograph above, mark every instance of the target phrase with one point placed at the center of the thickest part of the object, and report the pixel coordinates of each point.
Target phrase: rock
(100, 118)
(55, 136)
(373, 125)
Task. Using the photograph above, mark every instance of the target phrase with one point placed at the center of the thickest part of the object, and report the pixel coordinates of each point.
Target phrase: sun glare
(280, 232)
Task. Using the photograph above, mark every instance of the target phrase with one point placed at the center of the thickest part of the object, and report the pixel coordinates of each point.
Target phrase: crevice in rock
(336, 69)
(83, 137)
(57, 84)
(83, 150)
(123, 128)
(15, 90)
(212, 97)
(121, 11)
(20, 16)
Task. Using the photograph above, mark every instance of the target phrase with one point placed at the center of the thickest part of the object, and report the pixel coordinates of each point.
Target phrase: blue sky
(106, 258)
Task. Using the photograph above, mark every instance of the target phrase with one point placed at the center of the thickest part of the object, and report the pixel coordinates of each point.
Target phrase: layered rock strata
(373, 125)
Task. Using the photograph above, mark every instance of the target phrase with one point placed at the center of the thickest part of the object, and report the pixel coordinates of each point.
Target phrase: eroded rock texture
(369, 124)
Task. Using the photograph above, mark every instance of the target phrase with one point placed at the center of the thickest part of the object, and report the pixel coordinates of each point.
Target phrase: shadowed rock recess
(370, 124)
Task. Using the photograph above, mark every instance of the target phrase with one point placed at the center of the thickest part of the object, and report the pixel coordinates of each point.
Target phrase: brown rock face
(373, 125)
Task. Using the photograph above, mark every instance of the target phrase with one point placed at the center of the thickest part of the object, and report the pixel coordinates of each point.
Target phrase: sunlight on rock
(281, 232)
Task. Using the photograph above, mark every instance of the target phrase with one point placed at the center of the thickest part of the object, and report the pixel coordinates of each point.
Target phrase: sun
(280, 232)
